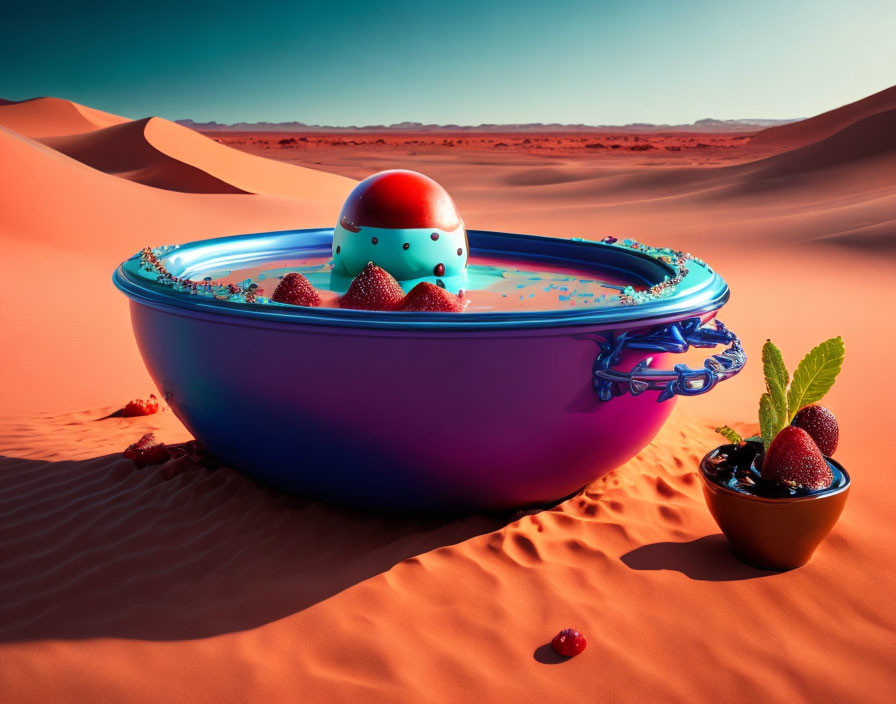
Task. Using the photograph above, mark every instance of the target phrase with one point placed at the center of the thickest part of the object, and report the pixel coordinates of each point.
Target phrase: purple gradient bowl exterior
(421, 420)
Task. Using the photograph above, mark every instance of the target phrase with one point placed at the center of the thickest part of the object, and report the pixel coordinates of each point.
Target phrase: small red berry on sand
(373, 289)
(794, 459)
(139, 407)
(296, 290)
(147, 451)
(569, 642)
(429, 298)
(821, 425)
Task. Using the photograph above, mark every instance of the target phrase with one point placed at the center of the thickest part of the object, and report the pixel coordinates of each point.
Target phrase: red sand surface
(117, 584)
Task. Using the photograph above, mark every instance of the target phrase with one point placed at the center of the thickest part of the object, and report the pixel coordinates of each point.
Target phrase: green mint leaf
(776, 379)
(768, 421)
(815, 375)
(730, 434)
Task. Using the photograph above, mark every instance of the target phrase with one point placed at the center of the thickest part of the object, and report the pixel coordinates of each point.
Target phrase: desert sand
(178, 584)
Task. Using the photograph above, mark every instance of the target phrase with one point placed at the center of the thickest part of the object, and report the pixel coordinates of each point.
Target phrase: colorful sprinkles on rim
(523, 285)
(677, 260)
(244, 292)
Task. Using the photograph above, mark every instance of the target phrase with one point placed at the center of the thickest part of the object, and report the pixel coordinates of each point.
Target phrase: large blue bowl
(425, 412)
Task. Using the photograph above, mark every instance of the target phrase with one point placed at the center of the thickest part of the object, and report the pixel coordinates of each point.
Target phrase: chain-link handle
(682, 380)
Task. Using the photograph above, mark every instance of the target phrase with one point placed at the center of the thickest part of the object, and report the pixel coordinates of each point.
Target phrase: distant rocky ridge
(705, 125)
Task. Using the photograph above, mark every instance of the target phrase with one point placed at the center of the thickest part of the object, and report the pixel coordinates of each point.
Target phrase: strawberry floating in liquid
(429, 298)
(373, 289)
(296, 290)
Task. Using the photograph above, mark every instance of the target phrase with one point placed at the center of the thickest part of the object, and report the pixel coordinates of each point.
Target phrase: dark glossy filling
(738, 467)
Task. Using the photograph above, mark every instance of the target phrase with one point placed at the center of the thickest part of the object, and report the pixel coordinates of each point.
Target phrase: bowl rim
(700, 291)
(824, 494)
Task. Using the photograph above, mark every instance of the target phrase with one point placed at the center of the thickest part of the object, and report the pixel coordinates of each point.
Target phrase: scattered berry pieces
(821, 425)
(373, 289)
(146, 451)
(569, 642)
(794, 459)
(429, 298)
(139, 407)
(296, 290)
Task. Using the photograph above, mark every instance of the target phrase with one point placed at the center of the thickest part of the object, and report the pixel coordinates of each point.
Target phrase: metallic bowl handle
(675, 337)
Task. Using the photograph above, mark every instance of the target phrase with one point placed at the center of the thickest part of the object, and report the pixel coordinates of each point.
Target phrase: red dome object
(569, 642)
(399, 199)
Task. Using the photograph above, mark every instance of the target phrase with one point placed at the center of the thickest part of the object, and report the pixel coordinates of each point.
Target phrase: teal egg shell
(411, 253)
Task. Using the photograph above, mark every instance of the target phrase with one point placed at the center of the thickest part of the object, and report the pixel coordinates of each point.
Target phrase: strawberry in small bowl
(776, 496)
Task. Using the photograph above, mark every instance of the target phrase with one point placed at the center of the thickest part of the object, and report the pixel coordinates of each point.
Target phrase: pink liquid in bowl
(490, 283)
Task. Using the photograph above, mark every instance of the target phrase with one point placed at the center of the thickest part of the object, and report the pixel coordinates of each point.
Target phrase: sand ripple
(267, 593)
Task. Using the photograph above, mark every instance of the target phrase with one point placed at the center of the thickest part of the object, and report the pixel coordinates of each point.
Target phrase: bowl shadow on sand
(706, 559)
(97, 548)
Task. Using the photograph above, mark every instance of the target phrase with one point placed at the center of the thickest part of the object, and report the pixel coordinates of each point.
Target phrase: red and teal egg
(405, 223)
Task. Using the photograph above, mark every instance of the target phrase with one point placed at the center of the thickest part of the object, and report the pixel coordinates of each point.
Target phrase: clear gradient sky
(343, 63)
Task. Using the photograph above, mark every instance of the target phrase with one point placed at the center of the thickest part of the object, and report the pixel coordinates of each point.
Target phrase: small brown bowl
(773, 533)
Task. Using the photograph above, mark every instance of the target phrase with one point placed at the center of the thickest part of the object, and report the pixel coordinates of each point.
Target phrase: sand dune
(838, 191)
(122, 150)
(868, 138)
(118, 584)
(51, 197)
(67, 226)
(797, 134)
(73, 223)
(163, 154)
(51, 117)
